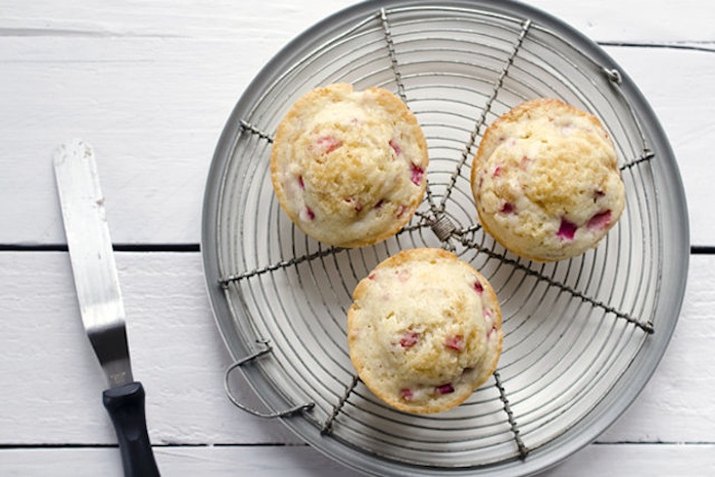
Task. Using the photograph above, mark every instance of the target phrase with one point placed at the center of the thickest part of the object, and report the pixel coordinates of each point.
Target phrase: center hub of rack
(443, 227)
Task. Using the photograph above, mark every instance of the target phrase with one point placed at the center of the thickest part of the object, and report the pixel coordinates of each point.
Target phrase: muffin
(546, 181)
(424, 330)
(348, 167)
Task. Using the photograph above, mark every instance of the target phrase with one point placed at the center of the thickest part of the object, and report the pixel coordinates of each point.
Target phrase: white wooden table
(150, 85)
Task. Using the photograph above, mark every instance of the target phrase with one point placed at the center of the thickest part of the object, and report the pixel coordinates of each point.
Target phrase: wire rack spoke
(430, 198)
(391, 52)
(282, 264)
(526, 24)
(468, 230)
(394, 65)
(424, 218)
(328, 425)
(645, 326)
(246, 126)
(412, 228)
(302, 258)
(523, 450)
(614, 76)
(645, 157)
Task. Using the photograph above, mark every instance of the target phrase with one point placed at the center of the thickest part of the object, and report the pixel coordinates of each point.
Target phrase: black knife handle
(125, 405)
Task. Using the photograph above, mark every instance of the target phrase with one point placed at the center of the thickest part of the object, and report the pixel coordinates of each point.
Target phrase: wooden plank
(672, 407)
(55, 396)
(279, 20)
(179, 356)
(154, 108)
(298, 461)
(678, 86)
(653, 460)
(150, 84)
(153, 134)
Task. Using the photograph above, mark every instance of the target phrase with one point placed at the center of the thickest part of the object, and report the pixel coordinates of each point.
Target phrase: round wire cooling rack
(582, 336)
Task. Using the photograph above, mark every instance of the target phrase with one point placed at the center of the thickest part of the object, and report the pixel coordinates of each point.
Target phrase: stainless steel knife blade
(100, 301)
(92, 258)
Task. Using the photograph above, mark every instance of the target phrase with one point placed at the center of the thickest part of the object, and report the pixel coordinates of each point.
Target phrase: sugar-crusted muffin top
(348, 167)
(424, 330)
(546, 181)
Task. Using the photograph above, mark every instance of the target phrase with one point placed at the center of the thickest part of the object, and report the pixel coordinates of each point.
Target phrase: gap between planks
(117, 247)
(301, 461)
(290, 444)
(195, 247)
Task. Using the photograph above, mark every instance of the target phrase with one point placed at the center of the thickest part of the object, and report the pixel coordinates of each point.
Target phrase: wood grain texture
(52, 384)
(673, 406)
(55, 383)
(276, 20)
(298, 461)
(680, 93)
(150, 85)
(153, 110)
(626, 460)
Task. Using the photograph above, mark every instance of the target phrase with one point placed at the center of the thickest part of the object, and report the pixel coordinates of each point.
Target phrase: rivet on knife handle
(100, 300)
